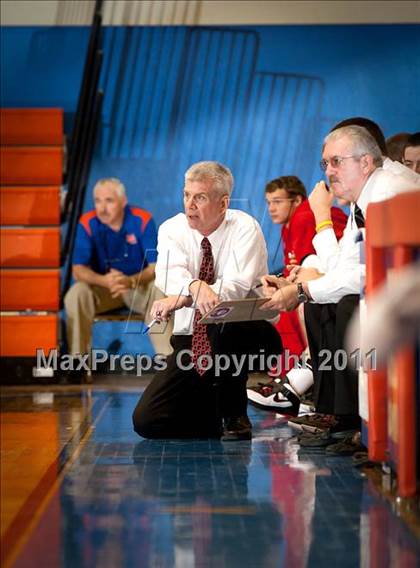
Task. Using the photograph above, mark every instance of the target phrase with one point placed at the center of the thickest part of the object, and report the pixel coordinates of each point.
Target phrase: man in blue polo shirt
(114, 266)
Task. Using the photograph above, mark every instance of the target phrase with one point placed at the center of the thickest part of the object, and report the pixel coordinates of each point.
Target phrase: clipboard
(247, 309)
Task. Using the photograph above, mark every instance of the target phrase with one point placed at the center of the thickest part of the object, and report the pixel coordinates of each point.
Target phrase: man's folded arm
(340, 282)
(327, 249)
(83, 273)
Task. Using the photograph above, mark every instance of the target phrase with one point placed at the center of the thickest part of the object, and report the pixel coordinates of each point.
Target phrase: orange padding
(37, 205)
(22, 335)
(29, 289)
(31, 165)
(393, 225)
(38, 126)
(29, 247)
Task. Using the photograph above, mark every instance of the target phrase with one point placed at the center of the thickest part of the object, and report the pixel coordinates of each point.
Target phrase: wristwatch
(302, 296)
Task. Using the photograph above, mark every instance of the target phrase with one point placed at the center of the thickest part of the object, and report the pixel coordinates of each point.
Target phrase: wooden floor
(80, 489)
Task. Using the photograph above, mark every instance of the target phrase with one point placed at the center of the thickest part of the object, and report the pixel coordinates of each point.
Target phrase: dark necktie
(200, 341)
(358, 217)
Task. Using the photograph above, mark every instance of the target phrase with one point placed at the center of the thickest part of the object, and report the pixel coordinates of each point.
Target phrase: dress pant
(180, 403)
(335, 388)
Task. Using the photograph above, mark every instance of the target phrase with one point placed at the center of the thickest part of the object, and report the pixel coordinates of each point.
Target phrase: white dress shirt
(341, 260)
(239, 252)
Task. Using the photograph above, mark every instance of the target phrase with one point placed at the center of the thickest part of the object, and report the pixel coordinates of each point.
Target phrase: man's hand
(83, 273)
(320, 201)
(117, 282)
(162, 309)
(300, 274)
(271, 284)
(284, 299)
(203, 296)
(107, 280)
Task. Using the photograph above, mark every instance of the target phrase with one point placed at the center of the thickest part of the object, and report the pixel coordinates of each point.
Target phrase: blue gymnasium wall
(259, 99)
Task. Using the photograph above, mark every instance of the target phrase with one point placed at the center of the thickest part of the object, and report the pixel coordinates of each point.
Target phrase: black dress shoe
(237, 428)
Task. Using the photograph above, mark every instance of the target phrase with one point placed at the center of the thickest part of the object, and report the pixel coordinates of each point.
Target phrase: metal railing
(82, 142)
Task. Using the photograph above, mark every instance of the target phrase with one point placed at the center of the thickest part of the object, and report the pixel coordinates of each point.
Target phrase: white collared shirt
(341, 260)
(239, 252)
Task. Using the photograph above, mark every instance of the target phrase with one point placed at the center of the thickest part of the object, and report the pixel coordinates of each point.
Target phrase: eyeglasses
(335, 161)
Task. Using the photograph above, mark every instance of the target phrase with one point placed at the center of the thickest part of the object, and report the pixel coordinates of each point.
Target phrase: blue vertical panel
(139, 77)
(113, 46)
(212, 96)
(135, 69)
(161, 95)
(241, 71)
(148, 62)
(127, 70)
(308, 154)
(278, 140)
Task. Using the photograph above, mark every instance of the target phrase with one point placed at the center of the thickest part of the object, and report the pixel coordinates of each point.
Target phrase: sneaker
(335, 434)
(274, 396)
(313, 422)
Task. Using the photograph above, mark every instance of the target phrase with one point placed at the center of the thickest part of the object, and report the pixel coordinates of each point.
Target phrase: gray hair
(218, 173)
(118, 186)
(362, 141)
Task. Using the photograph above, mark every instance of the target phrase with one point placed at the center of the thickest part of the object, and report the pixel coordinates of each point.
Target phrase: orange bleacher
(30, 247)
(36, 289)
(31, 174)
(32, 165)
(22, 334)
(25, 205)
(31, 127)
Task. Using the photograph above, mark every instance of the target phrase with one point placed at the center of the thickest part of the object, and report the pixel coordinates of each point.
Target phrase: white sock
(300, 380)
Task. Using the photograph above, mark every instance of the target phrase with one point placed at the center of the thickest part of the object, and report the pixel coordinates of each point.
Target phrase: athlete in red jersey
(288, 206)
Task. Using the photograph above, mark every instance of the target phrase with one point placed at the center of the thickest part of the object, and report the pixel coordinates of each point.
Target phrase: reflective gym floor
(81, 489)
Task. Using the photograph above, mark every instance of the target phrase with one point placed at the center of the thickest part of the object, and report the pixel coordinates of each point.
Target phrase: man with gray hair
(114, 266)
(207, 254)
(352, 161)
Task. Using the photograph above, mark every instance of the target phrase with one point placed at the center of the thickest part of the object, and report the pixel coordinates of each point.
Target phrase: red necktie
(200, 341)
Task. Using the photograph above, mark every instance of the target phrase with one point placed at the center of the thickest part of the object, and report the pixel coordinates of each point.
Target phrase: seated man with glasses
(352, 161)
(114, 266)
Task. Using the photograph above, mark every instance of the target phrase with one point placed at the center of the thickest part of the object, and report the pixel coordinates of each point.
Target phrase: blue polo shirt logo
(131, 239)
